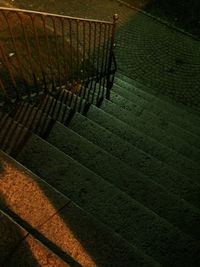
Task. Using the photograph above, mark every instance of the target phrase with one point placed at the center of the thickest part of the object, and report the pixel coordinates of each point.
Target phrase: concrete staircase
(117, 186)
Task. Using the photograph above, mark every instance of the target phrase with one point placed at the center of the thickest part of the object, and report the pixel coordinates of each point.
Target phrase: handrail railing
(42, 51)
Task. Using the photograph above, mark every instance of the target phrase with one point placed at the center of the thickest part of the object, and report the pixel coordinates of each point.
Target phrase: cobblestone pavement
(166, 60)
(150, 52)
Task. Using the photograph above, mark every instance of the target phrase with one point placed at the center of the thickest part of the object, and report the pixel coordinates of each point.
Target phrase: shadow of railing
(43, 52)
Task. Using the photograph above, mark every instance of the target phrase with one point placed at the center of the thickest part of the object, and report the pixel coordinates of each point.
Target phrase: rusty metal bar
(63, 51)
(53, 15)
(8, 66)
(105, 69)
(50, 64)
(112, 46)
(28, 49)
(19, 62)
(39, 50)
(53, 51)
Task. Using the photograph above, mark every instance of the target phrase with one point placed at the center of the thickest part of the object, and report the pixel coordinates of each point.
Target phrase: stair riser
(157, 171)
(140, 90)
(137, 186)
(137, 107)
(107, 203)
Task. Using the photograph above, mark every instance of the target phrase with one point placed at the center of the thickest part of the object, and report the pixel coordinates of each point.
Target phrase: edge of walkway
(162, 21)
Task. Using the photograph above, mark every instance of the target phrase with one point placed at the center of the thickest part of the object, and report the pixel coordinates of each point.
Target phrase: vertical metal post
(112, 46)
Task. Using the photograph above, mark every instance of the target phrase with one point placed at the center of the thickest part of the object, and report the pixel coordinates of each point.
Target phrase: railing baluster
(80, 54)
(111, 52)
(8, 67)
(57, 53)
(98, 63)
(71, 51)
(64, 51)
(39, 51)
(19, 62)
(106, 59)
(27, 46)
(4, 91)
(77, 51)
(50, 64)
(103, 60)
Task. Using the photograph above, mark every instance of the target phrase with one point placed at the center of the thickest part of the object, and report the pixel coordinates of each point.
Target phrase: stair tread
(136, 185)
(128, 124)
(155, 104)
(161, 135)
(159, 172)
(68, 227)
(20, 248)
(160, 151)
(160, 115)
(141, 89)
(12, 134)
(39, 118)
(56, 109)
(71, 100)
(108, 204)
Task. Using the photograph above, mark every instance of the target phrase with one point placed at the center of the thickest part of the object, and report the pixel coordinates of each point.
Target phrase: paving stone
(154, 51)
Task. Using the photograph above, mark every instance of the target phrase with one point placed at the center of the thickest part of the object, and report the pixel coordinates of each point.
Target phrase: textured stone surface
(136, 185)
(57, 227)
(139, 104)
(156, 170)
(27, 195)
(173, 142)
(164, 59)
(155, 102)
(185, 143)
(111, 206)
(32, 253)
(150, 145)
(11, 235)
(90, 243)
(19, 248)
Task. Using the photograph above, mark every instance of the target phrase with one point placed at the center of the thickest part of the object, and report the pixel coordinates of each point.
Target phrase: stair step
(151, 121)
(124, 126)
(40, 118)
(19, 248)
(136, 185)
(156, 107)
(59, 222)
(70, 99)
(158, 150)
(159, 172)
(12, 135)
(110, 205)
(162, 116)
(56, 109)
(32, 118)
(163, 102)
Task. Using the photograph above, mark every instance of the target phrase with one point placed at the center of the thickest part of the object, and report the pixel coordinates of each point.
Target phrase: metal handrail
(43, 51)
